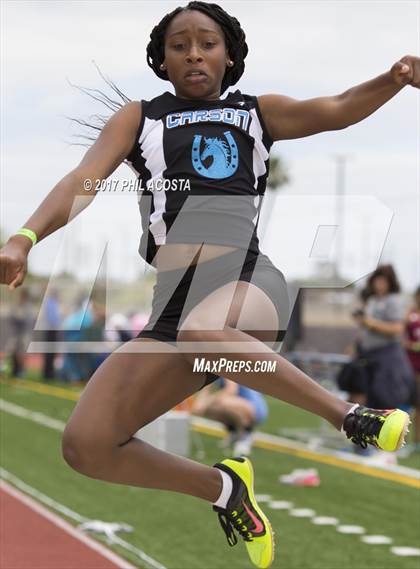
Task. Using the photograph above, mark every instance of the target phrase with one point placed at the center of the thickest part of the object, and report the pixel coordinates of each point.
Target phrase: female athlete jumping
(216, 295)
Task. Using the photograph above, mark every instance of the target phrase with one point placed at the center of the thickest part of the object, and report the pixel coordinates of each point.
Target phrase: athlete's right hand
(14, 261)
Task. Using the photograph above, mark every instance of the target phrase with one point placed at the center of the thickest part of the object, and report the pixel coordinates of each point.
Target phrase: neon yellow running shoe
(243, 513)
(384, 429)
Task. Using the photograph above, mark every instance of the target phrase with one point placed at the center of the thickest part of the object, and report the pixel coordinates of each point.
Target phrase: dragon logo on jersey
(224, 156)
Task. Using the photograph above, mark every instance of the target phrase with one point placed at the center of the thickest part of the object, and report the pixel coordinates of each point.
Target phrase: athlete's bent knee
(83, 453)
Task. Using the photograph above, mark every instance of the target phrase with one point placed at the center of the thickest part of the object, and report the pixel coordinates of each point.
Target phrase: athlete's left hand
(407, 71)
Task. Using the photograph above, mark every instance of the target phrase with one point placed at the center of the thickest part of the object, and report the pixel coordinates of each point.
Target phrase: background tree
(278, 175)
(277, 179)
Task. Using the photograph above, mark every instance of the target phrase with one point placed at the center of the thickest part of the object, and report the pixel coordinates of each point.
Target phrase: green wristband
(28, 233)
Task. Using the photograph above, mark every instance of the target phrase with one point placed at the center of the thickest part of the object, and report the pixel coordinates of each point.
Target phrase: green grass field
(182, 532)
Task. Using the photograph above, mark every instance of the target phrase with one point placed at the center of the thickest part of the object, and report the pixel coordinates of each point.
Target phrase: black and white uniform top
(202, 167)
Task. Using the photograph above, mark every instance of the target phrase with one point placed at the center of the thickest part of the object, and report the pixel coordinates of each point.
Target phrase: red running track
(32, 537)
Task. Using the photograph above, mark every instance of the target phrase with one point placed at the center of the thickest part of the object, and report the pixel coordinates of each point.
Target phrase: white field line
(34, 416)
(42, 419)
(334, 523)
(74, 516)
(59, 425)
(65, 526)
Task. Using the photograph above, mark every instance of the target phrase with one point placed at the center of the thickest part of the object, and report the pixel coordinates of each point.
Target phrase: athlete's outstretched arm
(58, 208)
(288, 118)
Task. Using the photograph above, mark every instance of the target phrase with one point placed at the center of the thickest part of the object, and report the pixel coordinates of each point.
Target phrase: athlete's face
(195, 41)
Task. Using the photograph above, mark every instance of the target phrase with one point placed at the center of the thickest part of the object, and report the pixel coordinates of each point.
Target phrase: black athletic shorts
(176, 292)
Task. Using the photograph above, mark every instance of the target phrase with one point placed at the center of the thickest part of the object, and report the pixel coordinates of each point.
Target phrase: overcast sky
(301, 49)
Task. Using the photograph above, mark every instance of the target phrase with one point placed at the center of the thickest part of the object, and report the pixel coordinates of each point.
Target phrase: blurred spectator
(390, 380)
(119, 328)
(95, 332)
(75, 366)
(239, 408)
(51, 326)
(412, 346)
(21, 326)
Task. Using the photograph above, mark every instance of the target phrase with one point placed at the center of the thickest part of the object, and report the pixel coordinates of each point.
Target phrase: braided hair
(233, 33)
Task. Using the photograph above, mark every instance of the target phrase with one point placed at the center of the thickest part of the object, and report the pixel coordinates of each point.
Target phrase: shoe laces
(363, 427)
(237, 520)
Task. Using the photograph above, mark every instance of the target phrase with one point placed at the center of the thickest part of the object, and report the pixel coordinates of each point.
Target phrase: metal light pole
(340, 179)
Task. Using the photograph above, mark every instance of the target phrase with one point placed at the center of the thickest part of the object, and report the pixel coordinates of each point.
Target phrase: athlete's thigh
(131, 389)
(240, 305)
